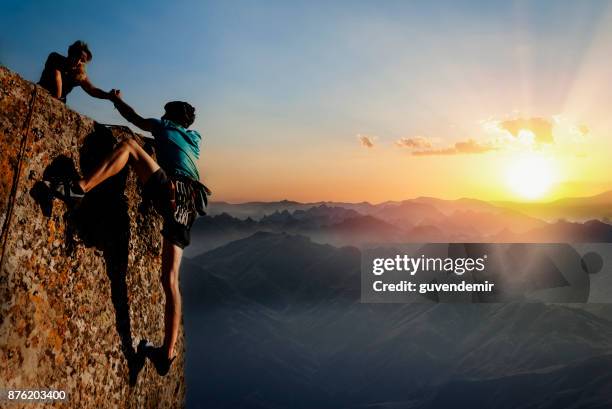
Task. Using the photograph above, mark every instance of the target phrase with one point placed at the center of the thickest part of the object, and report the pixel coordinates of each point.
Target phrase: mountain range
(276, 321)
(577, 209)
(273, 312)
(416, 220)
(571, 209)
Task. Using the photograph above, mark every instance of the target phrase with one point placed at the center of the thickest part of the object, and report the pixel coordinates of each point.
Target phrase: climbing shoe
(158, 356)
(66, 190)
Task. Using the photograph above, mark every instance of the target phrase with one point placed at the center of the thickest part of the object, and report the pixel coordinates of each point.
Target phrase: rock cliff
(78, 288)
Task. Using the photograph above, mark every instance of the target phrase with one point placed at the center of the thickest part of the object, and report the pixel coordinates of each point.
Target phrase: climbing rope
(17, 175)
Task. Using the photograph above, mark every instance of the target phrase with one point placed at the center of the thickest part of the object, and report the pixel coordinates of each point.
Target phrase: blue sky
(288, 85)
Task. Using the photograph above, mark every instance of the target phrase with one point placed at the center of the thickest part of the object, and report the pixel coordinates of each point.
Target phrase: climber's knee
(141, 161)
(126, 145)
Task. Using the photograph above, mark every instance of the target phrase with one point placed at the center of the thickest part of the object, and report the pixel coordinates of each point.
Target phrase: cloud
(366, 141)
(515, 134)
(541, 128)
(417, 142)
(469, 146)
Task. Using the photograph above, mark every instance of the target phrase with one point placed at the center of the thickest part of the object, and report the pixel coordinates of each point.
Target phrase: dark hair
(180, 112)
(78, 47)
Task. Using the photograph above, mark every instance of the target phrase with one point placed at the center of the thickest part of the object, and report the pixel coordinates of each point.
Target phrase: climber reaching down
(172, 183)
(61, 74)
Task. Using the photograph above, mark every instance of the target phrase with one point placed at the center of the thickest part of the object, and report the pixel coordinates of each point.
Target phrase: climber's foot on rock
(158, 356)
(138, 362)
(67, 190)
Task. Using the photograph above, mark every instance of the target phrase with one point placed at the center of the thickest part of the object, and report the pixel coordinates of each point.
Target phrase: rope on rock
(17, 175)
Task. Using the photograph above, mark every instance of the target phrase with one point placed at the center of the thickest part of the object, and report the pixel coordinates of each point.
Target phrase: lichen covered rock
(78, 288)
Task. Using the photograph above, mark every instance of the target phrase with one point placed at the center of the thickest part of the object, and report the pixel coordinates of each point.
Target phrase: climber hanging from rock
(172, 184)
(61, 74)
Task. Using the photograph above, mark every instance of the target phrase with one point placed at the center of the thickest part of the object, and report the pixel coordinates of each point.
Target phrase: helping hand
(115, 95)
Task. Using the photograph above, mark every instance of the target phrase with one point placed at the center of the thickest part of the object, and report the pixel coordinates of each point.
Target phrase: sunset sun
(531, 176)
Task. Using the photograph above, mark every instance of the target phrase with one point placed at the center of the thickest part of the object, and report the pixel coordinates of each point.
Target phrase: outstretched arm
(93, 90)
(128, 112)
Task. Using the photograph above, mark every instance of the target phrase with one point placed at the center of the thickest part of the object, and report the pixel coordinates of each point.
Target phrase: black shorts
(173, 199)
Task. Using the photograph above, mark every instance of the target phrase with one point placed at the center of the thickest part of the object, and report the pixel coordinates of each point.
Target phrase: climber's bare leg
(171, 262)
(128, 150)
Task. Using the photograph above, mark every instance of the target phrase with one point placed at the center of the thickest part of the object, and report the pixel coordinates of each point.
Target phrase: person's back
(177, 148)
